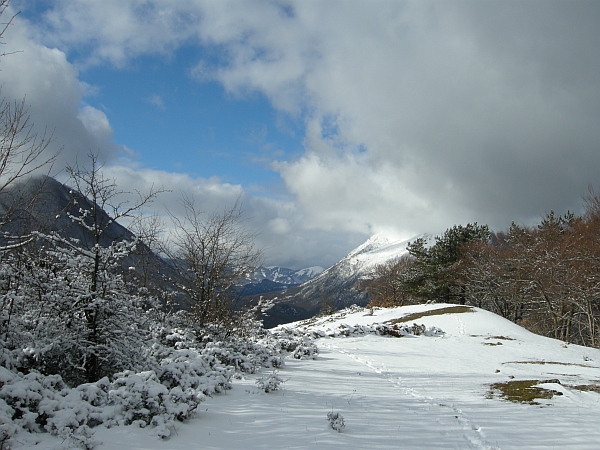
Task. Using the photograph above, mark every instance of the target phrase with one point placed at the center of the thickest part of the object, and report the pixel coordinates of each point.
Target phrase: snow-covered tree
(65, 298)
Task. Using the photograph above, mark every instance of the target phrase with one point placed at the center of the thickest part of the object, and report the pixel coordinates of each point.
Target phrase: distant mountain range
(275, 278)
(286, 276)
(338, 286)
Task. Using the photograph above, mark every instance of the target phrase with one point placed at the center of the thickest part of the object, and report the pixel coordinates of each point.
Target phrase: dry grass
(587, 387)
(523, 391)
(557, 363)
(458, 309)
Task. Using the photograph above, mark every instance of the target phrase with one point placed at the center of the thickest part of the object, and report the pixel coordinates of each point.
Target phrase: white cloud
(279, 226)
(116, 30)
(95, 122)
(419, 115)
(51, 89)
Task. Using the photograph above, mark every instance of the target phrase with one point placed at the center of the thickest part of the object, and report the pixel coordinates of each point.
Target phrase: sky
(331, 121)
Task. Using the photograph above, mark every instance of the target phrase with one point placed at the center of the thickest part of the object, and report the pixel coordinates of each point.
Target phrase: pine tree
(434, 274)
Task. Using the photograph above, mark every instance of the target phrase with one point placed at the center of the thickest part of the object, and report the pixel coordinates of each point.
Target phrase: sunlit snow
(413, 392)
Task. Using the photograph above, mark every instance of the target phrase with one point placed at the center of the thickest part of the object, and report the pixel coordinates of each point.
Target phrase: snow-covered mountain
(42, 203)
(363, 260)
(337, 285)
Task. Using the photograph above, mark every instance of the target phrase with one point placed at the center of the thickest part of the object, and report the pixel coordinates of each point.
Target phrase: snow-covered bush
(396, 330)
(245, 356)
(306, 350)
(336, 421)
(141, 399)
(245, 349)
(190, 369)
(270, 382)
(8, 429)
(35, 403)
(300, 345)
(184, 366)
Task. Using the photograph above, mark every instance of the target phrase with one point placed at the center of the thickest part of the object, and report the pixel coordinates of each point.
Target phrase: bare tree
(210, 253)
(103, 207)
(4, 25)
(148, 230)
(387, 287)
(20, 147)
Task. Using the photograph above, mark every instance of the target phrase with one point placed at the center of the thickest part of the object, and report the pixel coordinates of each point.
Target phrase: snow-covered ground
(413, 392)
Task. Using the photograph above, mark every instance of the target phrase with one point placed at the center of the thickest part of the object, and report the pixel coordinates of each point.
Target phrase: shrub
(270, 382)
(336, 421)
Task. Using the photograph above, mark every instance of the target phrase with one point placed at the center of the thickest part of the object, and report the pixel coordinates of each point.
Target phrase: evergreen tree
(434, 275)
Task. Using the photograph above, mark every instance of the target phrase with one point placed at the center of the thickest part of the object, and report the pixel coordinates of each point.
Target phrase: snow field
(412, 392)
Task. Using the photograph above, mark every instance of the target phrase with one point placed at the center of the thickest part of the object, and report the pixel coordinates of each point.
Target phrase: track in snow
(472, 433)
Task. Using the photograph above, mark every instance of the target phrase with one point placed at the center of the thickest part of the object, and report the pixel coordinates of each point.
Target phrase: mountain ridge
(284, 275)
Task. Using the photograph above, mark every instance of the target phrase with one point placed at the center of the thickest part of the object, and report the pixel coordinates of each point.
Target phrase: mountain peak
(374, 242)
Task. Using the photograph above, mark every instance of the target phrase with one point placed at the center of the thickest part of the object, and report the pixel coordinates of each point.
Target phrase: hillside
(417, 392)
(41, 203)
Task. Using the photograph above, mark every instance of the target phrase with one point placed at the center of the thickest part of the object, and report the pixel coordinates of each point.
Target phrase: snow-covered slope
(361, 261)
(308, 273)
(414, 392)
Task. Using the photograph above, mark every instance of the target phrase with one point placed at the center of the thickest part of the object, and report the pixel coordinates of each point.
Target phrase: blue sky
(176, 123)
(332, 121)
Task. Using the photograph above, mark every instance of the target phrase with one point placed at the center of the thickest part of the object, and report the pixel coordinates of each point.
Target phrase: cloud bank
(418, 115)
